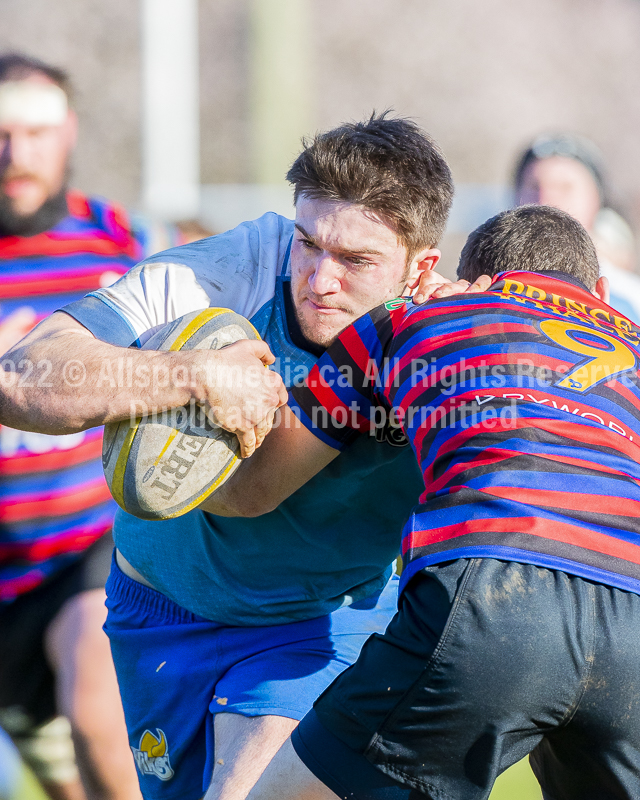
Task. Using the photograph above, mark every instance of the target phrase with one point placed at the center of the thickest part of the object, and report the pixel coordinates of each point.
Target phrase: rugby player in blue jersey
(517, 625)
(225, 629)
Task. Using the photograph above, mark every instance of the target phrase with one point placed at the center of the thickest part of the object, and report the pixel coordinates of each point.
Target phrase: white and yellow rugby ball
(161, 466)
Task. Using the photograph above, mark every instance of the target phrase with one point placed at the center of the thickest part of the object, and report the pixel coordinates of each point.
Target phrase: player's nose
(19, 151)
(324, 278)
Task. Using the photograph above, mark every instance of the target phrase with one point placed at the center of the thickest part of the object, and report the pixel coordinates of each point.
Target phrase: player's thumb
(261, 350)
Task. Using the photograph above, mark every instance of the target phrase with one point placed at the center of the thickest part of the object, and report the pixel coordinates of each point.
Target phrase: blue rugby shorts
(176, 670)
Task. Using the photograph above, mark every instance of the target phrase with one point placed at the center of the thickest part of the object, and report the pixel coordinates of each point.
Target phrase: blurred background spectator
(566, 172)
(55, 509)
(56, 244)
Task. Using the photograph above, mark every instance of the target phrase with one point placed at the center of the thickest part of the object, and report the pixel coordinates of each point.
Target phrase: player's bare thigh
(287, 778)
(244, 746)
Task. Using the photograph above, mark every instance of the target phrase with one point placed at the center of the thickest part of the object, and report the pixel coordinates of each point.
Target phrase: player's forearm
(289, 457)
(60, 380)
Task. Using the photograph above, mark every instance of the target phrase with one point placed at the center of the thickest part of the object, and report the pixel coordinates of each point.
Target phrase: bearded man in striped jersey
(55, 509)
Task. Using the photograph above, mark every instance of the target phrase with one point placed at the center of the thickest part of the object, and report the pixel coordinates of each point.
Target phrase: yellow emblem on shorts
(152, 757)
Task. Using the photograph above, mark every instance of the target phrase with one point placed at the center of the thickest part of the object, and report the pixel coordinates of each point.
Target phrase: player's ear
(602, 289)
(423, 261)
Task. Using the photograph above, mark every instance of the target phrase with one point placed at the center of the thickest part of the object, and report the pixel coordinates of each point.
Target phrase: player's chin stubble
(321, 332)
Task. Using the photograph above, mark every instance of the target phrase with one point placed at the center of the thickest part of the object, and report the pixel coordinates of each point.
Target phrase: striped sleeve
(342, 395)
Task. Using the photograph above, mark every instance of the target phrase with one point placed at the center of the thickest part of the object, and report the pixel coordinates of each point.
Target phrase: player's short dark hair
(16, 66)
(530, 238)
(386, 164)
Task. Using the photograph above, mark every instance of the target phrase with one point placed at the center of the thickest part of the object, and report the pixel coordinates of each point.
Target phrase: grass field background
(517, 783)
(28, 788)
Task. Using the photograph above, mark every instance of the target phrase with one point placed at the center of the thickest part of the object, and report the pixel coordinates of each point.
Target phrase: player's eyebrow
(365, 251)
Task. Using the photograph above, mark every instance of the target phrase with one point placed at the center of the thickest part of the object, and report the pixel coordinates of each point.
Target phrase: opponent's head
(372, 200)
(532, 239)
(564, 172)
(37, 135)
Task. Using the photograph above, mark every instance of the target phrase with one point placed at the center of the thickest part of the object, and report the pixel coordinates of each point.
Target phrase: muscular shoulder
(256, 245)
(236, 270)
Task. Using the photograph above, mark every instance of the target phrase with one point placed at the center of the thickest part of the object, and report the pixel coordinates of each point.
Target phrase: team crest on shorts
(152, 757)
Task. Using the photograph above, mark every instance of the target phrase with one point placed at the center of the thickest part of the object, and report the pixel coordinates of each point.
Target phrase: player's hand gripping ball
(161, 466)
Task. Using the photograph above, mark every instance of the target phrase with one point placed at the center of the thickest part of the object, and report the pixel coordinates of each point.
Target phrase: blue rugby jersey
(54, 502)
(332, 542)
(522, 405)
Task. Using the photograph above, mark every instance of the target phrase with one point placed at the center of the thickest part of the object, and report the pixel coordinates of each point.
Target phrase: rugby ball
(163, 465)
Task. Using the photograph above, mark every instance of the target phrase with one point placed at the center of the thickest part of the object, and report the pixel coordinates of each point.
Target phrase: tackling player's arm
(60, 379)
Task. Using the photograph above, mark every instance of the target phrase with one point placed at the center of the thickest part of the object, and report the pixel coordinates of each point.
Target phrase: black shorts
(26, 680)
(486, 662)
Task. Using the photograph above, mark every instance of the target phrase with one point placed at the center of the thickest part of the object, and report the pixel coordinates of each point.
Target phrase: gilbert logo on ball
(161, 466)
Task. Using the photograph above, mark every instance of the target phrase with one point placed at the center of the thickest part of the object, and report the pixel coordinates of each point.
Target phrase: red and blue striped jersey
(522, 405)
(54, 502)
